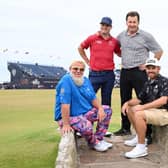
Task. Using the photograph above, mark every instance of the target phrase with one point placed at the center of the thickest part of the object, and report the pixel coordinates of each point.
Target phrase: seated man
(151, 107)
(77, 108)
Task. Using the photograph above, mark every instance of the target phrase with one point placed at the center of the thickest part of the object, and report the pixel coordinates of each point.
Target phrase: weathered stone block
(160, 136)
(67, 154)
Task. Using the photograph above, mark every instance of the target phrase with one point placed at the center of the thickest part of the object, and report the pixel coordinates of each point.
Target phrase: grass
(28, 136)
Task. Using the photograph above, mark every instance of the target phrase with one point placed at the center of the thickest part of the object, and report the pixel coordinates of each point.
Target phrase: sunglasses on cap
(78, 69)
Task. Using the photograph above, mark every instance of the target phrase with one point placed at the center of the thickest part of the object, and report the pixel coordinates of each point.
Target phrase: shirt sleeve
(92, 91)
(117, 48)
(65, 91)
(152, 44)
(164, 88)
(87, 42)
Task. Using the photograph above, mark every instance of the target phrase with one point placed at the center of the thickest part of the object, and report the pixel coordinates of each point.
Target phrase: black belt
(130, 69)
(101, 72)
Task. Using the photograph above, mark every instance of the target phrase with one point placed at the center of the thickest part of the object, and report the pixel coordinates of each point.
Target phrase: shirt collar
(99, 35)
(138, 32)
(153, 81)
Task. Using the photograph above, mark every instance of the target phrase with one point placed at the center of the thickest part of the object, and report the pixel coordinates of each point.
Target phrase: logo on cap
(152, 61)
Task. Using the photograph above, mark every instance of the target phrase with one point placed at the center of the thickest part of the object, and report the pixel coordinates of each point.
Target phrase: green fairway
(28, 135)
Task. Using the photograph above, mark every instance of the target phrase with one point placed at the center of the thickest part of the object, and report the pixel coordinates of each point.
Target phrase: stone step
(114, 157)
(123, 164)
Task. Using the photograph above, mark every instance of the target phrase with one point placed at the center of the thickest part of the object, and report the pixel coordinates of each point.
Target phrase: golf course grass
(28, 133)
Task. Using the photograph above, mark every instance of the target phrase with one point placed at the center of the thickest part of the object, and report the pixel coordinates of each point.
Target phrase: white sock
(141, 146)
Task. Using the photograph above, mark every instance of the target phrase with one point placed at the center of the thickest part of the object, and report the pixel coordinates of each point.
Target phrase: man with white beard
(77, 108)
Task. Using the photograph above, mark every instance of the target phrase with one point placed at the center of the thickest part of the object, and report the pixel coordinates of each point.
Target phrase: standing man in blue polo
(101, 61)
(135, 47)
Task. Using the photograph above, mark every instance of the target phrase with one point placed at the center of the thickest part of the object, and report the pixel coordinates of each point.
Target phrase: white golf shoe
(100, 147)
(109, 145)
(137, 152)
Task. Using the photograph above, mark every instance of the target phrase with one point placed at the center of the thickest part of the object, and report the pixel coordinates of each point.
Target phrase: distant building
(28, 76)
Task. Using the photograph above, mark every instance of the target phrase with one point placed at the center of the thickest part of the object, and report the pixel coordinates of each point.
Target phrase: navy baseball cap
(106, 20)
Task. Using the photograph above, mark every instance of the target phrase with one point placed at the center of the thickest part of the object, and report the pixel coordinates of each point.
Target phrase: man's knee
(139, 115)
(87, 130)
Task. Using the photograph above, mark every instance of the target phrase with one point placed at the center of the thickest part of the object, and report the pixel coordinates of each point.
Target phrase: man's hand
(66, 129)
(137, 108)
(124, 109)
(142, 67)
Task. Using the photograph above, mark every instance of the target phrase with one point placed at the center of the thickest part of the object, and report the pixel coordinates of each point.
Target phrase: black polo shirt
(154, 89)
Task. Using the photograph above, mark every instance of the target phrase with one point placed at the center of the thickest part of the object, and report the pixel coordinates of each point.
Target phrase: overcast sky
(48, 32)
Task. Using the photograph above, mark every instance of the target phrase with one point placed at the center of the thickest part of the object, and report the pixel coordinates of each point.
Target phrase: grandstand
(28, 76)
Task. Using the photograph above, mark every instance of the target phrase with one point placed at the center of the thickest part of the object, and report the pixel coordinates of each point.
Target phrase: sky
(48, 32)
